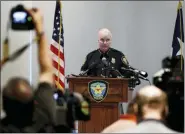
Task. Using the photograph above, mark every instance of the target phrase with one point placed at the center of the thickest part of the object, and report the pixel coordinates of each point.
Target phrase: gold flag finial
(179, 5)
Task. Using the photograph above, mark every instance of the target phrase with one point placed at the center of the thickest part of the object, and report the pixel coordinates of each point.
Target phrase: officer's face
(104, 41)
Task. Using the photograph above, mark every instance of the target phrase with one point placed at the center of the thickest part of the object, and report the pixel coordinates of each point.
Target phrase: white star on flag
(180, 41)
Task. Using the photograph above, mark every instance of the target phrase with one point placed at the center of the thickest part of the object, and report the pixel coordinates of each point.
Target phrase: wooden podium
(105, 112)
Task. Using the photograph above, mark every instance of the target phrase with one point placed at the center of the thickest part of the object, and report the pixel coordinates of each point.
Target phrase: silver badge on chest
(113, 60)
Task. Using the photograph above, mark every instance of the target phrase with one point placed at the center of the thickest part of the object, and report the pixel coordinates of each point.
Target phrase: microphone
(106, 66)
(84, 72)
(92, 66)
(113, 72)
(104, 58)
(142, 73)
(105, 62)
(137, 72)
(143, 78)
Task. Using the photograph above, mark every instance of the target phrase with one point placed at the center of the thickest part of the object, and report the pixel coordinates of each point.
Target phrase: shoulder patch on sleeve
(124, 60)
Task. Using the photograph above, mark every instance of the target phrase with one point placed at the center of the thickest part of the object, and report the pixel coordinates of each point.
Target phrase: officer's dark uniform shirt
(115, 58)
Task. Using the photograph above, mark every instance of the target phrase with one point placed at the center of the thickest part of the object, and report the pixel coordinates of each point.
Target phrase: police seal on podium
(98, 90)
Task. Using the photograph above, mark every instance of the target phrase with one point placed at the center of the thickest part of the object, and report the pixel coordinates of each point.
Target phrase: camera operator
(18, 93)
(40, 110)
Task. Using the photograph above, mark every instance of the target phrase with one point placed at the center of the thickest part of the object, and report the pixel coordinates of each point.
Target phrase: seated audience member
(151, 107)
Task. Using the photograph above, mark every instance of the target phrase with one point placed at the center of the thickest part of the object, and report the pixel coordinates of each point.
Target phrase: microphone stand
(106, 71)
(135, 80)
(109, 69)
(91, 67)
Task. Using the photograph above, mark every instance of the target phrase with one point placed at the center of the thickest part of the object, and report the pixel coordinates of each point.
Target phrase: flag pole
(58, 83)
(180, 14)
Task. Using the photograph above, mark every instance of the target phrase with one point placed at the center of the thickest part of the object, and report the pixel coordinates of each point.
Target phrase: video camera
(171, 80)
(21, 19)
(78, 106)
(170, 77)
(62, 110)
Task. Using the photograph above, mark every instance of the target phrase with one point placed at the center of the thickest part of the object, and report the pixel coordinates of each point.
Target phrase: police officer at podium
(105, 59)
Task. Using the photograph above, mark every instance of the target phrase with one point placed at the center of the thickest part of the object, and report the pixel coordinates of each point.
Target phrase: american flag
(57, 48)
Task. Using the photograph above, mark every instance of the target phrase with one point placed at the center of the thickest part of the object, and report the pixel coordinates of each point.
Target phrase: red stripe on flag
(60, 82)
(61, 69)
(55, 51)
